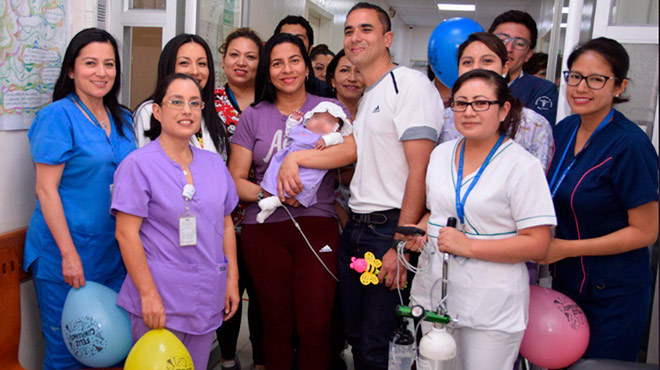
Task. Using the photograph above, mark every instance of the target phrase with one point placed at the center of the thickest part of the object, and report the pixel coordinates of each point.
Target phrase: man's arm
(417, 154)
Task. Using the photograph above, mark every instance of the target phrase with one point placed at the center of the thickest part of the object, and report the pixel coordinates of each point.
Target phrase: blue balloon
(96, 331)
(443, 47)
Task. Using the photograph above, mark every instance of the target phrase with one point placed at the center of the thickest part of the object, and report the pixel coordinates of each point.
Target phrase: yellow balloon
(159, 349)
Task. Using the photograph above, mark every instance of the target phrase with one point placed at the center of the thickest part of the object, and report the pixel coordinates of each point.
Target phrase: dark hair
(332, 67)
(614, 54)
(491, 41)
(429, 73)
(159, 95)
(535, 64)
(516, 16)
(264, 89)
(320, 49)
(65, 85)
(509, 126)
(166, 66)
(383, 17)
(246, 32)
(296, 19)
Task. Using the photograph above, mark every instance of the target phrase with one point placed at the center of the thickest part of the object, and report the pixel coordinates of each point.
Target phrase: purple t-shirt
(261, 130)
(190, 280)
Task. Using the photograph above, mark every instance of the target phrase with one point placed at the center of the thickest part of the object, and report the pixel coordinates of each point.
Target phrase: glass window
(147, 4)
(634, 13)
(142, 46)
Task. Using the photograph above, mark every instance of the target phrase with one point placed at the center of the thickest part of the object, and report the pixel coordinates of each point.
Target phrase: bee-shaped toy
(368, 266)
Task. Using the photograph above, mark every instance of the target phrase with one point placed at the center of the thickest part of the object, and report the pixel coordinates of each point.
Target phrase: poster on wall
(215, 20)
(33, 38)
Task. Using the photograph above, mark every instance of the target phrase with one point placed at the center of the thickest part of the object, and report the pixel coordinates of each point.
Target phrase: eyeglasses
(594, 81)
(518, 43)
(477, 105)
(179, 104)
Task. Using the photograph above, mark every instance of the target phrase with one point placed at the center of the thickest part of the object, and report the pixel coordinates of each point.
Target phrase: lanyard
(460, 203)
(92, 117)
(556, 182)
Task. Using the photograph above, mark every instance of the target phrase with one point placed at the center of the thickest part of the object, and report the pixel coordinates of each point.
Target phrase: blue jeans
(368, 311)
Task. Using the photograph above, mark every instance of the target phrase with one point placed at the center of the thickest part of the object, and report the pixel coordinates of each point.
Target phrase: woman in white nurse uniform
(504, 213)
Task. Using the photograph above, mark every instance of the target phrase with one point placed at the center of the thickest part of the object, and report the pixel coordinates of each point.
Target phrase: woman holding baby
(296, 289)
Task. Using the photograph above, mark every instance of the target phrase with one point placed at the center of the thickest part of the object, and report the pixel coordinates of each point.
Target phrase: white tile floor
(244, 348)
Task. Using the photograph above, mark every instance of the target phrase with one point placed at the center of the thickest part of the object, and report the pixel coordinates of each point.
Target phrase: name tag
(187, 231)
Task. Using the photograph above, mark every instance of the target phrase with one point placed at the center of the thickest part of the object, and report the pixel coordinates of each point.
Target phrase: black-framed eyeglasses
(594, 81)
(518, 42)
(179, 104)
(477, 105)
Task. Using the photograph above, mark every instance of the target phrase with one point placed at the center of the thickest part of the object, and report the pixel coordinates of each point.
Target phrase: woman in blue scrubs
(76, 143)
(604, 182)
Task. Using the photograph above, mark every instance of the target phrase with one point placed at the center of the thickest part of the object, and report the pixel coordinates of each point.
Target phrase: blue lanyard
(555, 182)
(82, 105)
(460, 204)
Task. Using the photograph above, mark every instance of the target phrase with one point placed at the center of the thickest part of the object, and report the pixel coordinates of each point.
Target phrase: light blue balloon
(443, 47)
(96, 331)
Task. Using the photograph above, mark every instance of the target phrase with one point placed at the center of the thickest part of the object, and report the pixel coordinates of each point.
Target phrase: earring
(306, 78)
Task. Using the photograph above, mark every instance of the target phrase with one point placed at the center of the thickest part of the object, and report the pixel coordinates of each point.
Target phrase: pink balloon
(557, 334)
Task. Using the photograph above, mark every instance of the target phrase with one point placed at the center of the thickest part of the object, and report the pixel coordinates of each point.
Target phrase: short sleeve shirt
(403, 105)
(191, 280)
(537, 94)
(62, 134)
(615, 172)
(484, 295)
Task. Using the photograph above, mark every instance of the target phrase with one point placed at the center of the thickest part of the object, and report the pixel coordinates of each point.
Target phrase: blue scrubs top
(61, 133)
(537, 94)
(617, 171)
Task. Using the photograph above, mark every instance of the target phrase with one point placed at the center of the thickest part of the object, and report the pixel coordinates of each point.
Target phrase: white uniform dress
(512, 194)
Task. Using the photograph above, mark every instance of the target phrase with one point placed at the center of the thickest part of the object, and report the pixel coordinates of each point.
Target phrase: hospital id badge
(187, 231)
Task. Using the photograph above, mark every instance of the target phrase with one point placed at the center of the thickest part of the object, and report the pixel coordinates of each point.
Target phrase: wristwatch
(260, 196)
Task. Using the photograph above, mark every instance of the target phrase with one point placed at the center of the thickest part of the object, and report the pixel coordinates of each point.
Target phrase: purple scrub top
(190, 280)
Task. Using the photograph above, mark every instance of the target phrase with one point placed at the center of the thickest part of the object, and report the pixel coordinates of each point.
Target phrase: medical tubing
(309, 244)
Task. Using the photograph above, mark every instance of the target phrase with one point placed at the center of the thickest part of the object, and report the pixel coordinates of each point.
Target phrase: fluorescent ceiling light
(457, 7)
(564, 10)
(563, 25)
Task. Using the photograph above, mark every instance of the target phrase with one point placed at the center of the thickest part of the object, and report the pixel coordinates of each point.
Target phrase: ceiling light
(563, 25)
(564, 10)
(457, 7)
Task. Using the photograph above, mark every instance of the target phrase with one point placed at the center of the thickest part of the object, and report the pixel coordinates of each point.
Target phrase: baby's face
(322, 123)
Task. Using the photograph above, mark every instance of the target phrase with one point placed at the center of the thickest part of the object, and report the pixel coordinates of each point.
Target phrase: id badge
(187, 231)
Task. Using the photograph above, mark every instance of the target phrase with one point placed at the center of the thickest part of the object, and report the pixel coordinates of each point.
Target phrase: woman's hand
(72, 270)
(153, 311)
(287, 179)
(559, 249)
(454, 242)
(232, 299)
(293, 202)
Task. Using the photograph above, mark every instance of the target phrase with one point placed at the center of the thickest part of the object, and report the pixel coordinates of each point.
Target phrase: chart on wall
(216, 19)
(33, 39)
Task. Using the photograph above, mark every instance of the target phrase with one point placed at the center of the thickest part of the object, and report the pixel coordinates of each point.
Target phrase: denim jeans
(368, 311)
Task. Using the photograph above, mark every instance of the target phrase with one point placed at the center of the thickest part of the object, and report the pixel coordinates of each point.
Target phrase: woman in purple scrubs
(173, 205)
